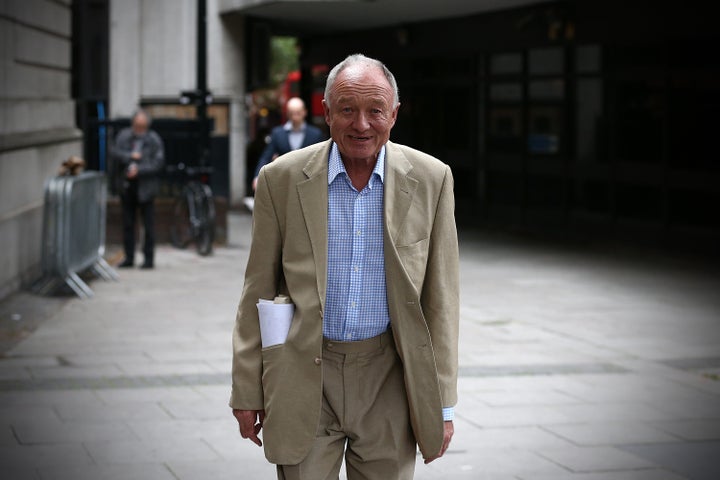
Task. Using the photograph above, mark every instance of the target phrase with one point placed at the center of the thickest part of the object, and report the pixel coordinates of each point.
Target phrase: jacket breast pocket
(414, 259)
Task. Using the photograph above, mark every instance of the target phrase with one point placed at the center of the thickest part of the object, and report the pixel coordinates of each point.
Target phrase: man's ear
(326, 111)
(395, 114)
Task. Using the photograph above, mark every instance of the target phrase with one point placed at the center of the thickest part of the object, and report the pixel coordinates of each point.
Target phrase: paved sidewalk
(576, 364)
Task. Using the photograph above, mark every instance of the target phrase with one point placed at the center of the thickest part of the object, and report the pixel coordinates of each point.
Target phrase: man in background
(140, 156)
(294, 134)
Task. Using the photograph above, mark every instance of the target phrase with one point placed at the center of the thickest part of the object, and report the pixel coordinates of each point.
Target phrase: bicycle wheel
(181, 227)
(206, 231)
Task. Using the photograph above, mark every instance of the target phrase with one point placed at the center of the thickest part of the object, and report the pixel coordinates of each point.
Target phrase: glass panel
(694, 112)
(505, 63)
(505, 132)
(456, 118)
(505, 188)
(690, 207)
(593, 196)
(543, 61)
(547, 89)
(587, 58)
(443, 67)
(453, 125)
(506, 92)
(639, 201)
(637, 124)
(545, 127)
(589, 119)
(546, 191)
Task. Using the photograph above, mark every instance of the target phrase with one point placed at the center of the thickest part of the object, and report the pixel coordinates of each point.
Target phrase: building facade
(69, 65)
(588, 118)
(575, 118)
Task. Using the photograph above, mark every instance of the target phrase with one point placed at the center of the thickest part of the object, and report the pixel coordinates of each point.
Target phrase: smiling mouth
(354, 137)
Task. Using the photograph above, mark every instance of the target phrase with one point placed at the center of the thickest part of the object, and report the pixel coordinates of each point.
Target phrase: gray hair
(357, 59)
(141, 111)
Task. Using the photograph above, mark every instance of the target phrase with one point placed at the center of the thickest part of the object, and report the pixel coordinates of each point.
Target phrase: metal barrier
(74, 232)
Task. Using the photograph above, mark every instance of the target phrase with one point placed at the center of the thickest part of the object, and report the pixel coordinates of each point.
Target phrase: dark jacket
(149, 166)
(280, 145)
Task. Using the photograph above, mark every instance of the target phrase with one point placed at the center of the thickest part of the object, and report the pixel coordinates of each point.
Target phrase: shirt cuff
(448, 414)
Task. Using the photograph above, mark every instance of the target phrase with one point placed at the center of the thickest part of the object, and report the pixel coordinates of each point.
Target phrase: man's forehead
(361, 87)
(376, 99)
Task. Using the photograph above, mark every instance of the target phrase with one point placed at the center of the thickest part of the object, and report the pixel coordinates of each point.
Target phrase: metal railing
(74, 232)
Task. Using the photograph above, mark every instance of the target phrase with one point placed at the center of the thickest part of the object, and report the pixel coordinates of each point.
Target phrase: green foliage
(284, 58)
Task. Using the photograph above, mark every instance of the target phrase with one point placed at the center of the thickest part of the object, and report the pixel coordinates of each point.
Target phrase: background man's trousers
(364, 416)
(130, 206)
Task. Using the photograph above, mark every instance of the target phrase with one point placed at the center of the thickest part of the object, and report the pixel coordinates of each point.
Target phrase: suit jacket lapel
(313, 194)
(399, 189)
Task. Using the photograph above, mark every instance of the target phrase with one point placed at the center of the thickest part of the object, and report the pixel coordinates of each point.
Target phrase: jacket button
(318, 360)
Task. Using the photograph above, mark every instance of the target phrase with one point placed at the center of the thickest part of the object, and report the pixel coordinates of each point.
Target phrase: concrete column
(125, 42)
(152, 51)
(226, 77)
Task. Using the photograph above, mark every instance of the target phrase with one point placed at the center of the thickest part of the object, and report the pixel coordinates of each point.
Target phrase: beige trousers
(364, 416)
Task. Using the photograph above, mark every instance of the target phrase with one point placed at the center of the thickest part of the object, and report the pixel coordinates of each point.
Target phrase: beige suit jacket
(289, 255)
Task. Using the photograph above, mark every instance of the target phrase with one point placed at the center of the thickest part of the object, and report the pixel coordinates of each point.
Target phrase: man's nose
(361, 121)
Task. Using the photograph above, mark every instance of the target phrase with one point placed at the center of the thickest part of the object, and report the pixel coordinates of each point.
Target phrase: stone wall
(37, 126)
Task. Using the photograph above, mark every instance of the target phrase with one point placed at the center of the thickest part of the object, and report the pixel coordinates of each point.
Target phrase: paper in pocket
(275, 319)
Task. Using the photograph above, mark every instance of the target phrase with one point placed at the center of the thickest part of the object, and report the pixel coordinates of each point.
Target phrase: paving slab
(37, 432)
(146, 452)
(698, 461)
(644, 474)
(594, 459)
(109, 472)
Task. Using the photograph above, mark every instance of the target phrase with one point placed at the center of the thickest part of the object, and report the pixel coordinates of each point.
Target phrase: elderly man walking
(359, 233)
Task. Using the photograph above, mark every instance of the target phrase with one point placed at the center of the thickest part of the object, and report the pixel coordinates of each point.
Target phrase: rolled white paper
(275, 320)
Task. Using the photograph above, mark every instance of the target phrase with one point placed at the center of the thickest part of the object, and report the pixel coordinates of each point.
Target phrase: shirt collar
(336, 166)
(288, 126)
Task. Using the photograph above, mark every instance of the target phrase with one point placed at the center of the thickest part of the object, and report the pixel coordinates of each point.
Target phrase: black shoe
(126, 264)
(147, 266)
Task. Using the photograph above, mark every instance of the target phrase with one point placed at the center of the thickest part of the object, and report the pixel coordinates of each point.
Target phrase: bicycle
(193, 211)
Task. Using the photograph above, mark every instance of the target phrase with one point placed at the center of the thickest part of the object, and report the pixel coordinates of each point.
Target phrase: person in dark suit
(140, 156)
(294, 134)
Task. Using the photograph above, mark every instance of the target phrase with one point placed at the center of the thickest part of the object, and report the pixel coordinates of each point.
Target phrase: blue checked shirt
(356, 303)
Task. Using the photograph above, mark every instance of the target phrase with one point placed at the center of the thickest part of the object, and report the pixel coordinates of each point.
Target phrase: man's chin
(359, 150)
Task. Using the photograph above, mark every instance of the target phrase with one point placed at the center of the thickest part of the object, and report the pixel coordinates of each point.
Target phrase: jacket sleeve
(267, 154)
(440, 295)
(262, 278)
(121, 149)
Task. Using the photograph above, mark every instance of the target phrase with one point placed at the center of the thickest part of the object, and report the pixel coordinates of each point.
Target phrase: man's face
(360, 112)
(296, 113)
(140, 124)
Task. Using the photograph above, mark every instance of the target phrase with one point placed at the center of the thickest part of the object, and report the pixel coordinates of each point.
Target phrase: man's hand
(449, 430)
(132, 171)
(248, 427)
